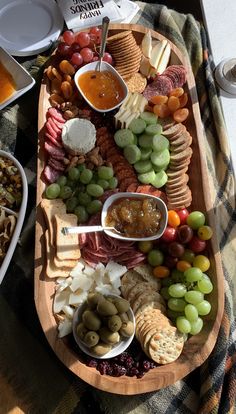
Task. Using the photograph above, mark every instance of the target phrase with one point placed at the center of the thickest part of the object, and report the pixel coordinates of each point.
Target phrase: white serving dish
(20, 215)
(104, 66)
(22, 78)
(161, 205)
(116, 350)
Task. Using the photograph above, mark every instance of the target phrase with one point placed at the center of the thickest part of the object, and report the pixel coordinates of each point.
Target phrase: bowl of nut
(104, 325)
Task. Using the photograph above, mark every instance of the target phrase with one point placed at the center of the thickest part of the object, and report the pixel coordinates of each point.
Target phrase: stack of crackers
(126, 53)
(177, 190)
(159, 339)
(62, 252)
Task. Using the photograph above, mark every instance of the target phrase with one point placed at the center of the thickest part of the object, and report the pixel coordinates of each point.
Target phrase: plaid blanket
(32, 380)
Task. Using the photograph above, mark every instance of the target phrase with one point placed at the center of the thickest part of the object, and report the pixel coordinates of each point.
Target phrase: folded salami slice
(50, 174)
(56, 164)
(53, 151)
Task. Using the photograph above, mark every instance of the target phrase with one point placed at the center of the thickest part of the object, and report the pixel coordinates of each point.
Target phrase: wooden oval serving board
(198, 347)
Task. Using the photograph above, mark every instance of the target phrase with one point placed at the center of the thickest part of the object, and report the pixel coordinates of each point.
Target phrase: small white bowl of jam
(14, 79)
(134, 216)
(103, 90)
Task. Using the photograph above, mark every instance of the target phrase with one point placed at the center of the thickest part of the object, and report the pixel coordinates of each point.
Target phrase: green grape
(193, 297)
(71, 203)
(205, 286)
(94, 207)
(173, 315)
(176, 304)
(164, 293)
(188, 256)
(183, 324)
(103, 183)
(177, 290)
(53, 190)
(81, 167)
(79, 189)
(61, 180)
(203, 308)
(113, 183)
(105, 173)
(191, 312)
(71, 184)
(84, 199)
(81, 214)
(94, 190)
(86, 176)
(193, 274)
(205, 276)
(73, 174)
(65, 192)
(196, 326)
(195, 219)
(177, 275)
(166, 282)
(155, 257)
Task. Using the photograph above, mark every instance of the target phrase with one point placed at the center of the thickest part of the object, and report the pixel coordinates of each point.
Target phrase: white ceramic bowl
(116, 350)
(160, 204)
(22, 78)
(20, 215)
(104, 66)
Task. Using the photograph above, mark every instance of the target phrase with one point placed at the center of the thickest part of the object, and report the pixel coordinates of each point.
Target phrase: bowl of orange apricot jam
(104, 89)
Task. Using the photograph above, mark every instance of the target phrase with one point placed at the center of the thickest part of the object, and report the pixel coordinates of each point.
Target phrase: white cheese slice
(64, 328)
(68, 311)
(61, 299)
(78, 297)
(115, 270)
(83, 282)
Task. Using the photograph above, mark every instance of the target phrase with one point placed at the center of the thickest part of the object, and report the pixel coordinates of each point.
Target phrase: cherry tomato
(205, 232)
(161, 271)
(173, 218)
(183, 214)
(183, 265)
(197, 245)
(202, 262)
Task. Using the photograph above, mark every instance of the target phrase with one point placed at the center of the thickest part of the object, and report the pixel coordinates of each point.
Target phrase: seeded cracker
(136, 83)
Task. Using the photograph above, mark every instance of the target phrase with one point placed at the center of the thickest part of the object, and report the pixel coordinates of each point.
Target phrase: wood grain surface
(198, 347)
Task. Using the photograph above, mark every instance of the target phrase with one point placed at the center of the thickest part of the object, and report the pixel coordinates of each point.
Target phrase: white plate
(28, 27)
(21, 215)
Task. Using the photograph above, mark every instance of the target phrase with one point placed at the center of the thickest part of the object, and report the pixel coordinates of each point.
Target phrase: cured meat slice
(51, 131)
(55, 141)
(50, 174)
(54, 113)
(56, 164)
(162, 85)
(54, 126)
(55, 152)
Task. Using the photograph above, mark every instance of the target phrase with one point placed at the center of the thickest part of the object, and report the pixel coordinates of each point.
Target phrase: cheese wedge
(157, 52)
(146, 45)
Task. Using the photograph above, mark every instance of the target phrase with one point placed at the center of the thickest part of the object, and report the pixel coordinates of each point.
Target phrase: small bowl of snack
(134, 216)
(15, 80)
(104, 90)
(104, 325)
(13, 202)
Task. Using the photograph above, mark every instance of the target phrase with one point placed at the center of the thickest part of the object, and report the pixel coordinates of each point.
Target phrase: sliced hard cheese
(164, 59)
(157, 52)
(67, 247)
(146, 45)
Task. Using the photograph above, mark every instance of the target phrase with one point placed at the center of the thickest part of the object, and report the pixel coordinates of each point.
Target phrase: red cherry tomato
(183, 214)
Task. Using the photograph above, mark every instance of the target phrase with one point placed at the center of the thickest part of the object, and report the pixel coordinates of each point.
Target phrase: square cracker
(67, 246)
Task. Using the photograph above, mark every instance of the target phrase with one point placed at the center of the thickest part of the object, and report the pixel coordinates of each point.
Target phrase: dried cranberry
(92, 363)
(132, 372)
(146, 365)
(102, 367)
(128, 363)
(140, 374)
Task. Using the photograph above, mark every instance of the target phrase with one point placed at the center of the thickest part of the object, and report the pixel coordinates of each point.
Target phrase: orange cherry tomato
(161, 272)
(173, 218)
(183, 265)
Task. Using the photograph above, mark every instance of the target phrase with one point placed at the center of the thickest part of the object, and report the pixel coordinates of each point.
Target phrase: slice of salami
(55, 141)
(55, 152)
(50, 130)
(59, 124)
(50, 174)
(54, 126)
(56, 114)
(56, 164)
(162, 85)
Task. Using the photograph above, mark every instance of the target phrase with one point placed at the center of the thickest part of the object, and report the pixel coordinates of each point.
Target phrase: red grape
(176, 249)
(75, 47)
(83, 39)
(63, 49)
(95, 58)
(76, 59)
(95, 30)
(197, 245)
(107, 58)
(87, 54)
(169, 235)
(68, 37)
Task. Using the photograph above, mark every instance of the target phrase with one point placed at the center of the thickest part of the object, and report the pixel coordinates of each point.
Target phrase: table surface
(220, 21)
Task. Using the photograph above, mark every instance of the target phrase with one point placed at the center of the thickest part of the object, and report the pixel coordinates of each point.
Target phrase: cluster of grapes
(82, 48)
(176, 260)
(81, 189)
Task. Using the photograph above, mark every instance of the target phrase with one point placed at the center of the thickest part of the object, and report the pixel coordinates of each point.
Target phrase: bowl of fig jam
(104, 90)
(134, 216)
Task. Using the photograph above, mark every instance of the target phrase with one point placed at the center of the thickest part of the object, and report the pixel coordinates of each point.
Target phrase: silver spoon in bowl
(105, 24)
(84, 229)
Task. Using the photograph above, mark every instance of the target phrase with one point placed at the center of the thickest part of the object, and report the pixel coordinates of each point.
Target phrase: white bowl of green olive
(104, 325)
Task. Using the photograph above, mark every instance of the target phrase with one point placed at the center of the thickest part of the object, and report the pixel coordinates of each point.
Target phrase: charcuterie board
(198, 347)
